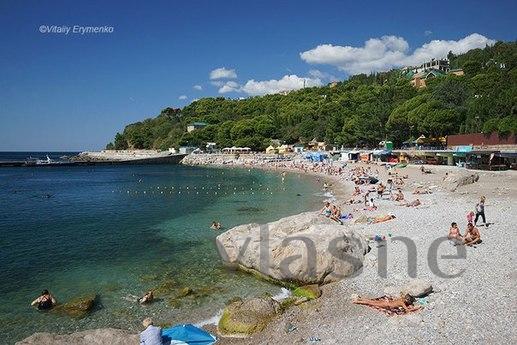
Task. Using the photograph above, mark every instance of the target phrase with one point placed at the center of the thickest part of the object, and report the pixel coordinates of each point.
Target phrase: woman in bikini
(401, 305)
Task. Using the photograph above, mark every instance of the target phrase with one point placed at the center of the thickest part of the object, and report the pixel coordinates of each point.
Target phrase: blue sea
(119, 231)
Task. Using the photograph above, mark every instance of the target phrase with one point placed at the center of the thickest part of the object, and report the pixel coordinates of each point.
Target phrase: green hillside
(360, 111)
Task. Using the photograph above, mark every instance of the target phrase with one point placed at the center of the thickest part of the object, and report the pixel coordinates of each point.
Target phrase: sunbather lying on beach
(422, 191)
(413, 203)
(357, 191)
(382, 219)
(472, 236)
(455, 235)
(389, 305)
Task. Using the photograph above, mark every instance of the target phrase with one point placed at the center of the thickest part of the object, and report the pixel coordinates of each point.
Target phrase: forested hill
(358, 112)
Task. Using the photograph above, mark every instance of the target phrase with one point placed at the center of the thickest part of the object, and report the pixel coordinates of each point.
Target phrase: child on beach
(480, 211)
(470, 217)
(455, 235)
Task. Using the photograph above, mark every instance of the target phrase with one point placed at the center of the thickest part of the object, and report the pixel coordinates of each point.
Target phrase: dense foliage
(358, 112)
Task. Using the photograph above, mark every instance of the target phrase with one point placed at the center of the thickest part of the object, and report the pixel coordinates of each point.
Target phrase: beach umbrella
(187, 334)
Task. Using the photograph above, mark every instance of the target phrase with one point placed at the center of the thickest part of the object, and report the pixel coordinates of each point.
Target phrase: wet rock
(91, 337)
(312, 291)
(185, 292)
(245, 317)
(78, 307)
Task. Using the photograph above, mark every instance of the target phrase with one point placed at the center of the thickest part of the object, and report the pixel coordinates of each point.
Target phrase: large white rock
(103, 336)
(306, 248)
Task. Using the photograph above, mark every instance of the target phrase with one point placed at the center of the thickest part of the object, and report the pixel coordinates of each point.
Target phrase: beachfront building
(186, 150)
(196, 125)
(485, 151)
(236, 150)
(283, 149)
(211, 147)
(298, 148)
(315, 145)
(271, 150)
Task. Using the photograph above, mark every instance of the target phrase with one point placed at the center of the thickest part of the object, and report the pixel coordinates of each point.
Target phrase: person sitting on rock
(147, 298)
(389, 305)
(472, 236)
(152, 335)
(455, 235)
(44, 302)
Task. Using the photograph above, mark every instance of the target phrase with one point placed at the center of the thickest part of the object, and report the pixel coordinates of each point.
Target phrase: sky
(74, 91)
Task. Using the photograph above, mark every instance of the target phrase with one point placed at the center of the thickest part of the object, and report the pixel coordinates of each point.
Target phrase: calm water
(121, 230)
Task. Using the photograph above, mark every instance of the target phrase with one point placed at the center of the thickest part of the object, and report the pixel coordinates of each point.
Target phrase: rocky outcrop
(103, 336)
(78, 307)
(245, 317)
(466, 180)
(304, 249)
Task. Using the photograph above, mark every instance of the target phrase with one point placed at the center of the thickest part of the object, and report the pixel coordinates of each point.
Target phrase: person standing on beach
(480, 211)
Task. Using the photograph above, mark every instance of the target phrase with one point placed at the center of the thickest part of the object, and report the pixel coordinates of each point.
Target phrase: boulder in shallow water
(78, 307)
(304, 249)
(245, 317)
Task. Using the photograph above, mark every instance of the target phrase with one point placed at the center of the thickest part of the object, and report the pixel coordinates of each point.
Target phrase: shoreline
(332, 313)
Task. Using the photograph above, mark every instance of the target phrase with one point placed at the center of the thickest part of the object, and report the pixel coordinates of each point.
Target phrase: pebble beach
(472, 300)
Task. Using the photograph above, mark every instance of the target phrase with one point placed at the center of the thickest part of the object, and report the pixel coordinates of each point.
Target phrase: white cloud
(286, 83)
(229, 86)
(428, 32)
(197, 87)
(183, 97)
(322, 75)
(381, 54)
(223, 73)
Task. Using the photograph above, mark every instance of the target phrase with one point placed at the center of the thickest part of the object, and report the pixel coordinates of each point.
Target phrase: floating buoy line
(203, 190)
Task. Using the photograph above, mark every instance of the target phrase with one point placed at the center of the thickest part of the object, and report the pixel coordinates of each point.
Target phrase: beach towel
(187, 334)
